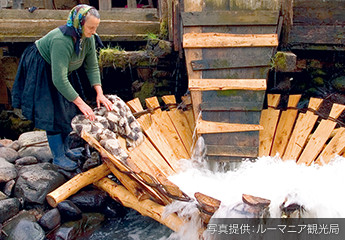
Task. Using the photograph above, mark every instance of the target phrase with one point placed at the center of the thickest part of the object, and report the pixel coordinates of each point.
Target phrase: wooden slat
(167, 129)
(180, 122)
(193, 54)
(335, 147)
(223, 40)
(231, 151)
(269, 120)
(189, 112)
(132, 3)
(151, 130)
(226, 84)
(135, 187)
(320, 136)
(285, 126)
(232, 100)
(210, 64)
(230, 18)
(207, 127)
(303, 127)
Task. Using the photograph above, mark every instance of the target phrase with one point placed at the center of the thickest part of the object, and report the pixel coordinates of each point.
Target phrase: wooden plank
(334, 148)
(180, 122)
(135, 187)
(223, 40)
(227, 84)
(230, 18)
(320, 136)
(220, 63)
(232, 100)
(317, 34)
(206, 127)
(158, 140)
(231, 151)
(187, 101)
(212, 5)
(167, 129)
(285, 126)
(193, 54)
(150, 160)
(240, 116)
(255, 5)
(269, 120)
(303, 127)
(34, 29)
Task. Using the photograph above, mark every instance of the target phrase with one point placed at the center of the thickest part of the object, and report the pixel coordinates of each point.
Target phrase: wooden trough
(228, 49)
(294, 134)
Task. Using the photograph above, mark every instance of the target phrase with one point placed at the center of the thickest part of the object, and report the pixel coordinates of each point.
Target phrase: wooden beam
(230, 18)
(269, 119)
(76, 183)
(210, 64)
(320, 136)
(285, 126)
(145, 207)
(226, 84)
(335, 147)
(223, 40)
(303, 127)
(206, 127)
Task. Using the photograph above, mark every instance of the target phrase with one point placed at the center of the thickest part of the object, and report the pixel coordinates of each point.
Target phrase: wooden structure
(116, 25)
(317, 25)
(305, 136)
(228, 48)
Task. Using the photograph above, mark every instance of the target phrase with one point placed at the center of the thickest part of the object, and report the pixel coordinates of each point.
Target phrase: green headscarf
(76, 18)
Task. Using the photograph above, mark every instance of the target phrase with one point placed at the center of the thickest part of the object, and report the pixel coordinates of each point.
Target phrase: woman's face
(90, 26)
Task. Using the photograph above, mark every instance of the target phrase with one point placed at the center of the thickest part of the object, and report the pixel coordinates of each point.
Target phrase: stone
(6, 142)
(9, 154)
(87, 200)
(284, 62)
(15, 145)
(42, 153)
(28, 160)
(31, 138)
(69, 211)
(7, 171)
(50, 220)
(3, 196)
(28, 230)
(36, 181)
(8, 208)
(339, 83)
(9, 187)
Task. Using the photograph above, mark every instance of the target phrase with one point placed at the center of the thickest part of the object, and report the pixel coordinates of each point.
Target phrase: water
(318, 188)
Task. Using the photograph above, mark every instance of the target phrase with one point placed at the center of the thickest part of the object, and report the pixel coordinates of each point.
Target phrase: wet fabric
(34, 92)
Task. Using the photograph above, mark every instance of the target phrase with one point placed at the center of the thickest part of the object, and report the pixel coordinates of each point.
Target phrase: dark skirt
(34, 92)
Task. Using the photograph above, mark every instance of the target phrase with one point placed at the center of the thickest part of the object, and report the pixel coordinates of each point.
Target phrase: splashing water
(316, 188)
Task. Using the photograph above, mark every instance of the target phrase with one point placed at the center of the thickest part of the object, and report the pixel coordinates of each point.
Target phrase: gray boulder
(41, 153)
(9, 154)
(8, 208)
(36, 181)
(27, 230)
(7, 170)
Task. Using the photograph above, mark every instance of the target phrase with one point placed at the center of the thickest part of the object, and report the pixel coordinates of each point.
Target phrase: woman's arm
(101, 98)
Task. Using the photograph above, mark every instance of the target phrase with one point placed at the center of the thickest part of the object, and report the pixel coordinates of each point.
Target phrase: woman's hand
(102, 99)
(85, 109)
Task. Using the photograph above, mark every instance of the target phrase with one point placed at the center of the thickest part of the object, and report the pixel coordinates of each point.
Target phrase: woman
(47, 87)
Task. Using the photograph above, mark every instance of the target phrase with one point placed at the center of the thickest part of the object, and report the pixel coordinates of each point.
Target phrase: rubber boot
(75, 153)
(57, 148)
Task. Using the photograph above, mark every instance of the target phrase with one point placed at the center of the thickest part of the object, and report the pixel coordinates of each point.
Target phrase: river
(317, 188)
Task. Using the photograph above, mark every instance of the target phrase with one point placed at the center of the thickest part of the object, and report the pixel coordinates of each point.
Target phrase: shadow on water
(131, 226)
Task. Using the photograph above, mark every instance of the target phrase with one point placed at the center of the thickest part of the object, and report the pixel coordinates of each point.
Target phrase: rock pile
(27, 176)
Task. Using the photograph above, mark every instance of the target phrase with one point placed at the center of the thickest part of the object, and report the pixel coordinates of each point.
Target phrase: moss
(163, 32)
(279, 61)
(147, 90)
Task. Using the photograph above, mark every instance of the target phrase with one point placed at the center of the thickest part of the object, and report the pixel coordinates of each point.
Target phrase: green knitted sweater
(58, 50)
